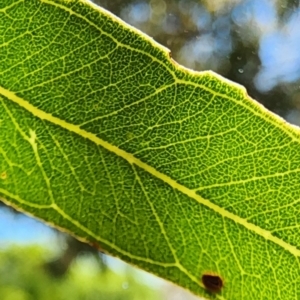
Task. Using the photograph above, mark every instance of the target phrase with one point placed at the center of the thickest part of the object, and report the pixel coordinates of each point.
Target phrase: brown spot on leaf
(213, 283)
(97, 246)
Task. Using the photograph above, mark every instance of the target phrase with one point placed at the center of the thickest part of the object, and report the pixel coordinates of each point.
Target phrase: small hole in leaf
(213, 283)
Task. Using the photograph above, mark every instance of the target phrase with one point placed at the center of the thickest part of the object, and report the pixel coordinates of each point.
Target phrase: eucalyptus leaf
(177, 172)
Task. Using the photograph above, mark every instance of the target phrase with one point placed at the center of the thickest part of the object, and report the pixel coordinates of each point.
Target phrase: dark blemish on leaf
(3, 175)
(213, 283)
(97, 246)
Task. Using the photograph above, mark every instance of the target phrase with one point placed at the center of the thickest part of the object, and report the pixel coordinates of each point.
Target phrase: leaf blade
(134, 131)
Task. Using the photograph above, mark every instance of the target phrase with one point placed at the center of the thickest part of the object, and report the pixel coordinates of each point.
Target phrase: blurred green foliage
(24, 277)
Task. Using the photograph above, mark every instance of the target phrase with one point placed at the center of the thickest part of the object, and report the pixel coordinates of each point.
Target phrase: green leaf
(180, 173)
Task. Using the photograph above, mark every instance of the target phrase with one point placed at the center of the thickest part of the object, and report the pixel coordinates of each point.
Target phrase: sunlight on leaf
(180, 173)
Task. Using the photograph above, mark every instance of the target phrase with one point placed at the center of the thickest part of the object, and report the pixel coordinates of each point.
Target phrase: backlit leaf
(180, 173)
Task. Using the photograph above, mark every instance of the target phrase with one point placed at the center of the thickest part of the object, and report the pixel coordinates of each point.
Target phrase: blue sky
(279, 42)
(20, 229)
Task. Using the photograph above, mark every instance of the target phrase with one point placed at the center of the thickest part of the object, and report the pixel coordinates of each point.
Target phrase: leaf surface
(180, 173)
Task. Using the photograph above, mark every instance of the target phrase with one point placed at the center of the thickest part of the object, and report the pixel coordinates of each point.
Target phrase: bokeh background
(253, 42)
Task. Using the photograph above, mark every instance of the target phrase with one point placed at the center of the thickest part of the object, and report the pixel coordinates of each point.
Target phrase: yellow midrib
(133, 160)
